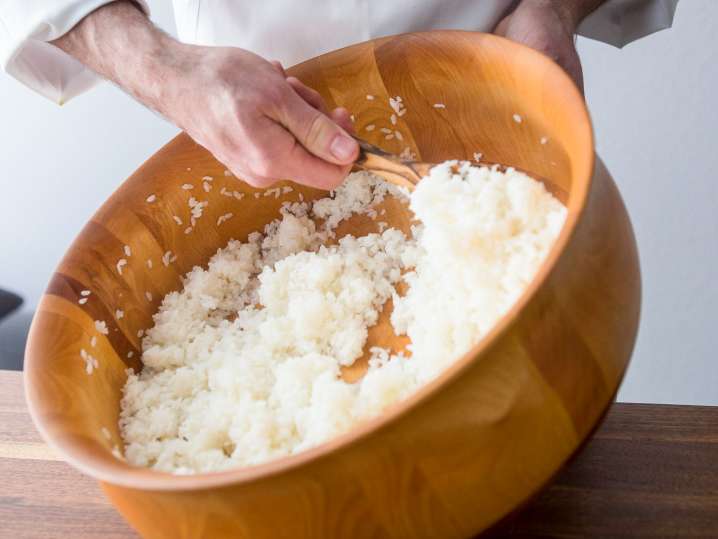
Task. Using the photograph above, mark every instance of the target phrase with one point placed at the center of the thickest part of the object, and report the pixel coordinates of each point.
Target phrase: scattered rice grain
(223, 218)
(101, 327)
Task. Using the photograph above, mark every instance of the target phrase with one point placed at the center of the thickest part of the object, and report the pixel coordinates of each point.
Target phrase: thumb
(318, 133)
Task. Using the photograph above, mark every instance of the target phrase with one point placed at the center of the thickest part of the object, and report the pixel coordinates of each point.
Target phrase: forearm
(572, 12)
(262, 125)
(118, 42)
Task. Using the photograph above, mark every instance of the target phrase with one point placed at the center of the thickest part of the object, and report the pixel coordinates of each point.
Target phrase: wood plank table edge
(649, 471)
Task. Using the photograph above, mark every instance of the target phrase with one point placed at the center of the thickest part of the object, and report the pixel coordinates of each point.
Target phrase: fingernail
(343, 147)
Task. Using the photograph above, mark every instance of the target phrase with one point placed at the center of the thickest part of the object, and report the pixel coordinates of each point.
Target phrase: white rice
(243, 364)
(101, 327)
(222, 218)
(168, 258)
(397, 105)
(407, 155)
(91, 362)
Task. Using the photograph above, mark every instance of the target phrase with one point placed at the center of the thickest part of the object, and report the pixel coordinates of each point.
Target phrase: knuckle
(313, 129)
(263, 166)
(272, 96)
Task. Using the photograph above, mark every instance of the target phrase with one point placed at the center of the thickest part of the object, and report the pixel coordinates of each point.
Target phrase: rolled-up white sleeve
(26, 27)
(618, 22)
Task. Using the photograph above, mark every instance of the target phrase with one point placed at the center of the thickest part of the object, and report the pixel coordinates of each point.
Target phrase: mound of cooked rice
(243, 364)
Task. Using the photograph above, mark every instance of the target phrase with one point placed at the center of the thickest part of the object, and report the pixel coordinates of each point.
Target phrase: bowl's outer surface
(465, 450)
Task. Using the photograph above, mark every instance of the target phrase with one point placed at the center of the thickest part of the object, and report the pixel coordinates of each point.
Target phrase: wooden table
(650, 471)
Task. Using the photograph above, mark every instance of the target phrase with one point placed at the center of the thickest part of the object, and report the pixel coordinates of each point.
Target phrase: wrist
(570, 12)
(119, 43)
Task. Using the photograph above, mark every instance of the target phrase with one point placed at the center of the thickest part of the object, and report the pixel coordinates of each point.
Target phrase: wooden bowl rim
(107, 468)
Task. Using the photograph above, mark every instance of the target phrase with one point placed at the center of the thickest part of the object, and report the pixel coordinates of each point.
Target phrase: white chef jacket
(286, 30)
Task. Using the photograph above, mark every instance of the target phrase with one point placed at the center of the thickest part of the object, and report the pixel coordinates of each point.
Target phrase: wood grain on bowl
(466, 449)
(624, 484)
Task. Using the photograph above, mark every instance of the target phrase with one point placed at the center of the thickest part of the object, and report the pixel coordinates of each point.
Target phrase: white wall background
(653, 106)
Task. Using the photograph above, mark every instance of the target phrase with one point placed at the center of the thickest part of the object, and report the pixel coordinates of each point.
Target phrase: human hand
(548, 26)
(262, 125)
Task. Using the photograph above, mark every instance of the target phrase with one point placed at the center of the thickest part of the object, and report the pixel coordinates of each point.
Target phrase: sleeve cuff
(26, 54)
(619, 22)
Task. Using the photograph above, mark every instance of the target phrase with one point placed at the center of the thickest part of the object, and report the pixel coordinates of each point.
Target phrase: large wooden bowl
(465, 450)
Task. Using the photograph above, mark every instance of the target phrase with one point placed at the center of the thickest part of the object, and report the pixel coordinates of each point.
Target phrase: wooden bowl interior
(483, 82)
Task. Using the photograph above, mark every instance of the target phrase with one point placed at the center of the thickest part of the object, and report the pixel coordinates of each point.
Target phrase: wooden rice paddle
(407, 173)
(391, 167)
